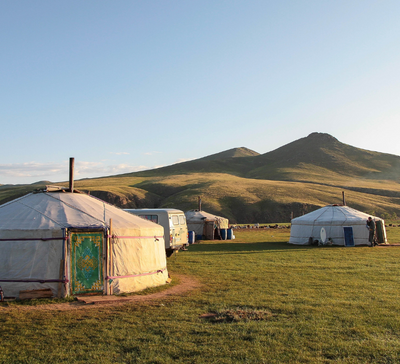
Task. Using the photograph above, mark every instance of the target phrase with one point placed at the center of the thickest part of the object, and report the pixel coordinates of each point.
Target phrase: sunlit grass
(277, 303)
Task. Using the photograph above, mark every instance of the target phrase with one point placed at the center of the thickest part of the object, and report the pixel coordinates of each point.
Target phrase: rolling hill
(249, 187)
(318, 154)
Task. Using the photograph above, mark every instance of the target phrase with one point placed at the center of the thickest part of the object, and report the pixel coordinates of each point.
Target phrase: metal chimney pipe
(71, 174)
(199, 203)
(344, 201)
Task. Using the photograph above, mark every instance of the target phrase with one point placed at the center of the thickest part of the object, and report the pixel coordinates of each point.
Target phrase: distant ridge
(42, 183)
(236, 161)
(249, 187)
(319, 155)
(231, 153)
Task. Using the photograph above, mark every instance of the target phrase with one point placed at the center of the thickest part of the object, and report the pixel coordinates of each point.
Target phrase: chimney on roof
(71, 174)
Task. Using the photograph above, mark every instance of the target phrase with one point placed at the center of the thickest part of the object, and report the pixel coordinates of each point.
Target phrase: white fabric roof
(196, 215)
(56, 210)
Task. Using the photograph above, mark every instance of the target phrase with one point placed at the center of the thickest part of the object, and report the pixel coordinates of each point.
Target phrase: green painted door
(86, 262)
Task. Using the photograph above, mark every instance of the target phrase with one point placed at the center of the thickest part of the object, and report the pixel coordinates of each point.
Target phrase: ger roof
(54, 210)
(201, 215)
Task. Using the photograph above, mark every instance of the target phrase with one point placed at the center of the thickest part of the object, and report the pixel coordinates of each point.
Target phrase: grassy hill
(248, 187)
(321, 157)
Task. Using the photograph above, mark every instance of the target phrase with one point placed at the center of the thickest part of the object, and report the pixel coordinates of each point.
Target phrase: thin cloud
(151, 153)
(31, 169)
(24, 173)
(100, 169)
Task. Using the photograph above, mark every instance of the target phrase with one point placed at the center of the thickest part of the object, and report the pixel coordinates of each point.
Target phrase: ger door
(87, 262)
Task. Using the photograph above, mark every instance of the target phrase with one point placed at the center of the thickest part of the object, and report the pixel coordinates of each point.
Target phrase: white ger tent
(64, 241)
(336, 224)
(203, 223)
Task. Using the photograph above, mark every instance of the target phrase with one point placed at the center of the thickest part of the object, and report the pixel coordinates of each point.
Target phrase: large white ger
(76, 244)
(335, 224)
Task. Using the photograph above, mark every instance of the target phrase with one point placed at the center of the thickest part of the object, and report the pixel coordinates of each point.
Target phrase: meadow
(261, 300)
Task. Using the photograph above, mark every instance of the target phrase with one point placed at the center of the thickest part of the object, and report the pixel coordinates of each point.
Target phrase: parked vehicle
(174, 223)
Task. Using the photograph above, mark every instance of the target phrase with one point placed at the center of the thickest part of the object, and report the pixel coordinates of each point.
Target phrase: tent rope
(36, 280)
(138, 275)
(134, 237)
(33, 239)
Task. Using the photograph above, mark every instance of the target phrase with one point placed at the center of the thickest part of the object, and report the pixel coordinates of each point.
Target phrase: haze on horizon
(127, 86)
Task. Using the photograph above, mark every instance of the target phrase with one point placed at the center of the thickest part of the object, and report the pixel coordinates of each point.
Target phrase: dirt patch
(186, 285)
(238, 314)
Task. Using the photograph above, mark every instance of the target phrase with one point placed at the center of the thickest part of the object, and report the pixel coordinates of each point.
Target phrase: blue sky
(123, 86)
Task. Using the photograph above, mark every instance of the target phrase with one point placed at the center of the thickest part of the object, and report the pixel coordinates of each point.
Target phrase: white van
(174, 223)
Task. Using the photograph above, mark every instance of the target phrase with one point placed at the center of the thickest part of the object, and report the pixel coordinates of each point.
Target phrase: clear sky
(123, 86)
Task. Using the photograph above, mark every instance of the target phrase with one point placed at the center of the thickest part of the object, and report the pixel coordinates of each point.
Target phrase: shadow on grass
(239, 247)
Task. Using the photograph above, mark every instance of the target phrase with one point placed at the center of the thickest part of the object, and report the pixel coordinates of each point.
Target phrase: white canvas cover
(195, 221)
(333, 218)
(32, 243)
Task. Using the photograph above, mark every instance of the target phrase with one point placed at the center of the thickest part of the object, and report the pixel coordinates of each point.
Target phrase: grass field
(272, 303)
(240, 199)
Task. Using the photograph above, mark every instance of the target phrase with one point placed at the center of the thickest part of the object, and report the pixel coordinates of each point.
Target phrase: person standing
(371, 228)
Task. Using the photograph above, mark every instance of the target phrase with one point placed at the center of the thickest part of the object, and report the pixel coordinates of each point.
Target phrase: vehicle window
(175, 220)
(153, 218)
(182, 220)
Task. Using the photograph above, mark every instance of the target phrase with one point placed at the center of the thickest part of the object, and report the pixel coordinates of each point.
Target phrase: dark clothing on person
(371, 228)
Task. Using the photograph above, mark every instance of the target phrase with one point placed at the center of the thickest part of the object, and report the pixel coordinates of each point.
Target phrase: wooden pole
(71, 174)
(105, 260)
(60, 277)
(344, 201)
(111, 257)
(66, 260)
(65, 263)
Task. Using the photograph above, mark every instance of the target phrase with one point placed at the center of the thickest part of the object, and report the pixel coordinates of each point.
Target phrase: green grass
(272, 303)
(393, 234)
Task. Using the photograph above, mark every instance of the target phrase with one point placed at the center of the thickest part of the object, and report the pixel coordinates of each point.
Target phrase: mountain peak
(322, 137)
(232, 153)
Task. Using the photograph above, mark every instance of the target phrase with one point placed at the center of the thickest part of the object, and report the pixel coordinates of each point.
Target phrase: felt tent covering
(41, 230)
(197, 219)
(333, 218)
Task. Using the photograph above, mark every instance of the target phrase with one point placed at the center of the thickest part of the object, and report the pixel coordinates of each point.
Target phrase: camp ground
(206, 225)
(335, 225)
(72, 243)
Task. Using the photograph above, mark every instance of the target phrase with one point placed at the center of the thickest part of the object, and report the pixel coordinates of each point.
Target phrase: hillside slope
(317, 157)
(324, 153)
(248, 187)
(236, 161)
